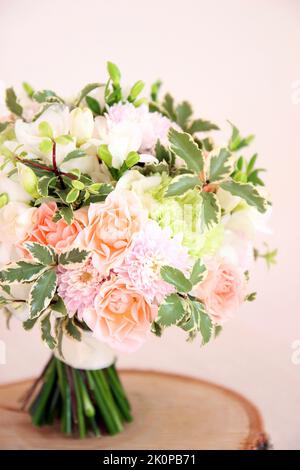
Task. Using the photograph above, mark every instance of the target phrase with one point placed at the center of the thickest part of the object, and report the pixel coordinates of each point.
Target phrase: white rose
(81, 124)
(16, 219)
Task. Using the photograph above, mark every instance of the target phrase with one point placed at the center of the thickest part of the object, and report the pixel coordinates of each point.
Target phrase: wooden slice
(170, 412)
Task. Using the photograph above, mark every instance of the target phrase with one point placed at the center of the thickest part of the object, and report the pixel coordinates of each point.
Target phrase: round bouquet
(120, 217)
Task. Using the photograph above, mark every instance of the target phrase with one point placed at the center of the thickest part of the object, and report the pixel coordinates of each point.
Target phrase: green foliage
(22, 271)
(46, 96)
(41, 253)
(155, 90)
(221, 166)
(182, 183)
(176, 278)
(210, 210)
(199, 272)
(183, 145)
(105, 155)
(46, 331)
(86, 90)
(28, 89)
(248, 192)
(135, 91)
(183, 113)
(42, 293)
(246, 171)
(73, 155)
(73, 256)
(93, 105)
(170, 311)
(268, 255)
(12, 102)
(200, 125)
(237, 142)
(72, 330)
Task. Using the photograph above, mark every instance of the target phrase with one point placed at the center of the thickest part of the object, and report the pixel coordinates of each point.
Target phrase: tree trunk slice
(170, 412)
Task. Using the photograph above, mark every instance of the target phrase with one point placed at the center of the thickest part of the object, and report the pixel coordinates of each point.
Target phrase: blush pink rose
(222, 291)
(59, 235)
(110, 229)
(121, 316)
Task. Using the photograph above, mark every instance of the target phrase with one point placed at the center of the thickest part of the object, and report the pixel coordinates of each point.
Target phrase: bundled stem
(85, 402)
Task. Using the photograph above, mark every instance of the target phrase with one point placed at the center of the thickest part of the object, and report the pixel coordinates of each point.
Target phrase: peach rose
(59, 234)
(110, 229)
(222, 291)
(121, 316)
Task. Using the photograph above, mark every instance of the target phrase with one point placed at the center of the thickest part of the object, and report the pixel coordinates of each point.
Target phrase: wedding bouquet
(119, 217)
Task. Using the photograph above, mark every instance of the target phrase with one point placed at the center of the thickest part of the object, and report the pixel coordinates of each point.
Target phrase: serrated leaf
(162, 153)
(86, 90)
(72, 329)
(171, 311)
(67, 214)
(46, 332)
(29, 324)
(200, 125)
(168, 105)
(72, 257)
(210, 210)
(186, 148)
(41, 253)
(206, 327)
(22, 271)
(176, 278)
(237, 142)
(183, 112)
(45, 96)
(199, 272)
(221, 166)
(93, 105)
(248, 192)
(42, 293)
(59, 306)
(182, 183)
(12, 102)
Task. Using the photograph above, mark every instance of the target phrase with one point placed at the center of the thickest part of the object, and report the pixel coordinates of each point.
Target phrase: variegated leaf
(182, 183)
(22, 271)
(210, 210)
(42, 293)
(41, 253)
(248, 192)
(221, 166)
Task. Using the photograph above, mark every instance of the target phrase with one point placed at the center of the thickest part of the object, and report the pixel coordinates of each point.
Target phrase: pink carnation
(222, 291)
(78, 286)
(121, 316)
(151, 249)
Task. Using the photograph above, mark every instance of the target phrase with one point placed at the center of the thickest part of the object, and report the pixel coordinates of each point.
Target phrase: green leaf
(254, 178)
(22, 271)
(251, 164)
(218, 330)
(210, 210)
(185, 147)
(105, 155)
(74, 256)
(114, 73)
(176, 278)
(132, 159)
(12, 102)
(247, 192)
(171, 311)
(78, 185)
(29, 324)
(72, 196)
(206, 328)
(136, 90)
(72, 329)
(46, 332)
(41, 253)
(67, 214)
(46, 146)
(28, 89)
(156, 329)
(74, 154)
(199, 125)
(86, 90)
(45, 129)
(182, 183)
(168, 105)
(162, 153)
(42, 292)
(4, 199)
(183, 111)
(59, 306)
(63, 139)
(44, 96)
(155, 87)
(3, 126)
(44, 183)
(93, 105)
(237, 142)
(198, 273)
(221, 166)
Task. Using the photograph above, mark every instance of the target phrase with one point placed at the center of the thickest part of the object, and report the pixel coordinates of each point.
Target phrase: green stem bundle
(84, 401)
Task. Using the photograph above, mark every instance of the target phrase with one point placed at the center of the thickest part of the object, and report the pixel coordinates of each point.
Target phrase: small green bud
(105, 155)
(136, 90)
(4, 199)
(114, 73)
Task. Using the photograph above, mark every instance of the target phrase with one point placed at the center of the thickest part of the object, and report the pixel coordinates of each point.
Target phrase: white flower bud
(81, 124)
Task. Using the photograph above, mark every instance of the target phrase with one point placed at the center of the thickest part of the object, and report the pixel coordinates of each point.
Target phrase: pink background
(236, 60)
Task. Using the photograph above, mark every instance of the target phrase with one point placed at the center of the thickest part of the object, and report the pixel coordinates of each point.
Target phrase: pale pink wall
(234, 60)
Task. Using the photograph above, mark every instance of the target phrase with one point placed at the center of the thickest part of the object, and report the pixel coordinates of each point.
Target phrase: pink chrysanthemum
(151, 249)
(78, 287)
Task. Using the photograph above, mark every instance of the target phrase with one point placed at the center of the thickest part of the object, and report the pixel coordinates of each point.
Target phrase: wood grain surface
(170, 412)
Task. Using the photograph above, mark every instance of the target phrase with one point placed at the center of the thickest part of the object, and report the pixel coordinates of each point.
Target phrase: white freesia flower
(81, 124)
(15, 221)
(124, 137)
(13, 189)
(29, 134)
